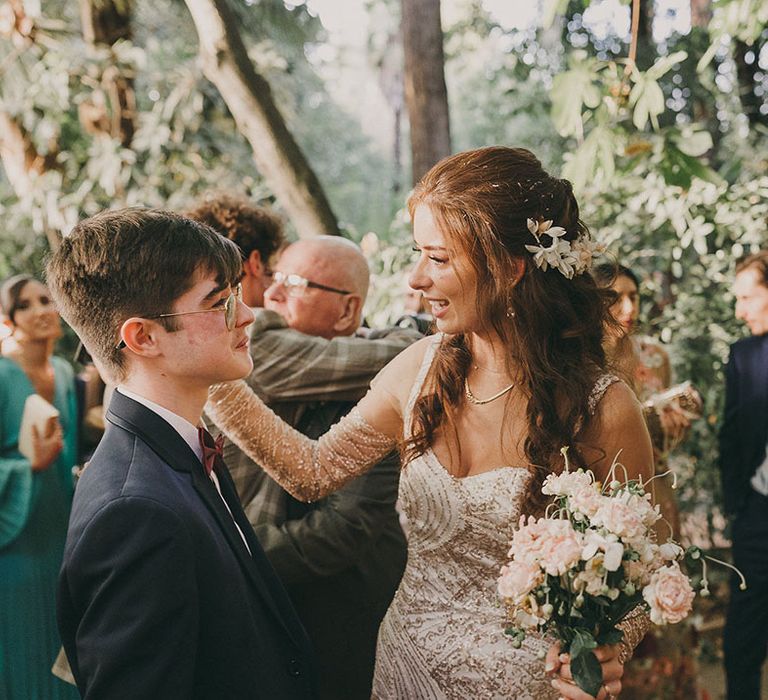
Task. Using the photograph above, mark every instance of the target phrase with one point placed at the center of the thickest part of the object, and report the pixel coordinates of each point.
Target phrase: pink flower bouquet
(577, 572)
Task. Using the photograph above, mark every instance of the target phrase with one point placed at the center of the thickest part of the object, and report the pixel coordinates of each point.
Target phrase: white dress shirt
(188, 433)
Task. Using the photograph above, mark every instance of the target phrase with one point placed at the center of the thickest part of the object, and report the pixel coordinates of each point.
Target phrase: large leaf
(572, 90)
(648, 101)
(585, 668)
(679, 168)
(664, 64)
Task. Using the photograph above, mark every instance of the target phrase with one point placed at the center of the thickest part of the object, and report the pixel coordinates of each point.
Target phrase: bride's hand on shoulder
(613, 670)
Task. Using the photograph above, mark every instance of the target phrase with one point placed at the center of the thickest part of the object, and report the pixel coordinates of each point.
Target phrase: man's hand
(48, 445)
(560, 665)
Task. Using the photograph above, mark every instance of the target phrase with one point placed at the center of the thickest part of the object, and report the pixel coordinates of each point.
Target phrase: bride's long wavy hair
(552, 326)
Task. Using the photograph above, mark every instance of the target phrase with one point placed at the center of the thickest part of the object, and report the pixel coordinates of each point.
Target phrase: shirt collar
(181, 425)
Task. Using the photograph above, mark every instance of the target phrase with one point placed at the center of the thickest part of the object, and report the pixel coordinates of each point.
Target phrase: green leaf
(587, 672)
(679, 168)
(571, 90)
(611, 636)
(582, 642)
(664, 64)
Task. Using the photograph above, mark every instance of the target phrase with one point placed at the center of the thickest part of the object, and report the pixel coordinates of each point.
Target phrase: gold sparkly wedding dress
(442, 637)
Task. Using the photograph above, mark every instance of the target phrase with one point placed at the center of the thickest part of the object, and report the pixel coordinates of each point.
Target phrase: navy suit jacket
(158, 596)
(744, 431)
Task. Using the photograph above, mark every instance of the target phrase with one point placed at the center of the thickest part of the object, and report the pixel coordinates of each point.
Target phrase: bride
(480, 411)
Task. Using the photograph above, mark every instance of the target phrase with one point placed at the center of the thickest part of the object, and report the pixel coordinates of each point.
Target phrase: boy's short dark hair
(756, 261)
(235, 218)
(132, 262)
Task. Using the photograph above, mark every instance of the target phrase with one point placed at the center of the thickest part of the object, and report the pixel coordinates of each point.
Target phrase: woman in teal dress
(35, 494)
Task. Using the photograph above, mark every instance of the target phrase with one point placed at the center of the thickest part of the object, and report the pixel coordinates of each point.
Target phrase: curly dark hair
(250, 226)
(551, 326)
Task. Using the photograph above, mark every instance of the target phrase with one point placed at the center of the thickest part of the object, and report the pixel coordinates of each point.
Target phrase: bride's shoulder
(398, 375)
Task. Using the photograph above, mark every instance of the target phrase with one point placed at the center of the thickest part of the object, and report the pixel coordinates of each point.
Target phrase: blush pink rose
(620, 519)
(552, 544)
(518, 579)
(669, 595)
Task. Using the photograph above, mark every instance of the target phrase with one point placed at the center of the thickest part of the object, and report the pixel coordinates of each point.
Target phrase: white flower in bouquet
(612, 548)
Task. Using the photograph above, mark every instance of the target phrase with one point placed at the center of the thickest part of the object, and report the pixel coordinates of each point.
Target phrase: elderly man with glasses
(341, 558)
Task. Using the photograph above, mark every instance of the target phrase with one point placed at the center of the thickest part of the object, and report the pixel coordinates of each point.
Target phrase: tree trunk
(426, 96)
(701, 13)
(111, 111)
(747, 81)
(21, 161)
(249, 99)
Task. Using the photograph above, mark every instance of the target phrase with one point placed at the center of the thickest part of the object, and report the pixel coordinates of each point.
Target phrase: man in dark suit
(744, 469)
(164, 592)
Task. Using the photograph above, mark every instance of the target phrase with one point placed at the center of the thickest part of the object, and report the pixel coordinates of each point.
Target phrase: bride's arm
(619, 429)
(311, 469)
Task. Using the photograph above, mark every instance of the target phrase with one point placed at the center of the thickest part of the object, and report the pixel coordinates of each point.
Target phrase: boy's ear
(140, 335)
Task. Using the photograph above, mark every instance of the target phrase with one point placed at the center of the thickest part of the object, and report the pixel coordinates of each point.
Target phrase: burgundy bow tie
(212, 449)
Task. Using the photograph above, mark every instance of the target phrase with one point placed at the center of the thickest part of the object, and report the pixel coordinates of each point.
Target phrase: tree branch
(249, 98)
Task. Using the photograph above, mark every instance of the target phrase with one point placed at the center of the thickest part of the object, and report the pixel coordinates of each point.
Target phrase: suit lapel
(163, 439)
(268, 577)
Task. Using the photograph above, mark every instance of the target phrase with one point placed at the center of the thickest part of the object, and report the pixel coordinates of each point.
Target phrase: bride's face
(444, 276)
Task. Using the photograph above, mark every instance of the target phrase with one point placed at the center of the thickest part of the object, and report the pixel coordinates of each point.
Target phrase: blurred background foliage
(668, 152)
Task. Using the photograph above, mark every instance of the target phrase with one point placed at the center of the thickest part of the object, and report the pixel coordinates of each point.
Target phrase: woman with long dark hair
(665, 664)
(35, 493)
(481, 411)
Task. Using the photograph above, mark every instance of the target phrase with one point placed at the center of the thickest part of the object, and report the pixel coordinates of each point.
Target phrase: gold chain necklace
(480, 402)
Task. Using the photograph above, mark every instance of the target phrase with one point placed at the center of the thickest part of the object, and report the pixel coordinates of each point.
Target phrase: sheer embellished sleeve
(307, 469)
(634, 626)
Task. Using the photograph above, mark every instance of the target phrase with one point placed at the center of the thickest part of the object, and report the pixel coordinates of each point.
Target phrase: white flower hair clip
(568, 258)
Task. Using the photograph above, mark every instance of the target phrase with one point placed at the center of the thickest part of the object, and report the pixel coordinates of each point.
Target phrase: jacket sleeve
(292, 366)
(334, 535)
(730, 454)
(128, 604)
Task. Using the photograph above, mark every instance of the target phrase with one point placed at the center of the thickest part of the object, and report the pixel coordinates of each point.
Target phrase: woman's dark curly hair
(250, 226)
(552, 326)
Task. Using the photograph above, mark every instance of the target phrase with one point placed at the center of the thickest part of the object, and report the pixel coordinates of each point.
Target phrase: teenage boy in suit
(744, 469)
(164, 591)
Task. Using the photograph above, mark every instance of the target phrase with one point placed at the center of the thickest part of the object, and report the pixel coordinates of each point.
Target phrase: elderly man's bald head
(330, 261)
(339, 258)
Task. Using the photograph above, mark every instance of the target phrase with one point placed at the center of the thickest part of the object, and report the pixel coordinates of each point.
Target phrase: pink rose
(669, 595)
(620, 519)
(518, 579)
(552, 544)
(586, 501)
(566, 483)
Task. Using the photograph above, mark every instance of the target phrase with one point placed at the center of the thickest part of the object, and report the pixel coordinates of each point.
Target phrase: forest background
(329, 110)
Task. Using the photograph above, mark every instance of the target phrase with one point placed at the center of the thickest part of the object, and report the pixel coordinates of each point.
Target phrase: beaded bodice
(443, 636)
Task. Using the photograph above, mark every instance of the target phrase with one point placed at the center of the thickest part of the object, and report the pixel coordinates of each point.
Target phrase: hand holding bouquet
(578, 571)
